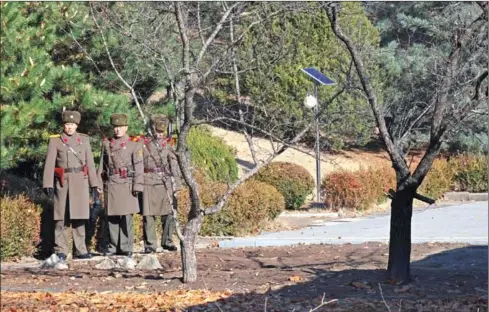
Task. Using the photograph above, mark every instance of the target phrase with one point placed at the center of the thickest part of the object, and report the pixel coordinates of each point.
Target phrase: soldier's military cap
(71, 116)
(161, 126)
(119, 120)
(160, 122)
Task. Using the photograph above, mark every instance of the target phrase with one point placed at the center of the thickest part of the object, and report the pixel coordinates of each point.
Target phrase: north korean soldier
(122, 172)
(69, 171)
(161, 179)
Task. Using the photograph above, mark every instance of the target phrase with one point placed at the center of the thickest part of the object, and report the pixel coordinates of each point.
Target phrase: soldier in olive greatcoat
(122, 173)
(161, 179)
(69, 171)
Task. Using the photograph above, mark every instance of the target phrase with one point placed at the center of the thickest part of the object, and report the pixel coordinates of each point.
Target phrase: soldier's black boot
(84, 256)
(170, 247)
(148, 250)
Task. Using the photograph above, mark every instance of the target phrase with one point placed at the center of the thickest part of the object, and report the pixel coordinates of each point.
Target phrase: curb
(465, 196)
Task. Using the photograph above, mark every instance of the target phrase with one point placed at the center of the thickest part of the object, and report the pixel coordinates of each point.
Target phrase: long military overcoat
(76, 185)
(122, 173)
(160, 166)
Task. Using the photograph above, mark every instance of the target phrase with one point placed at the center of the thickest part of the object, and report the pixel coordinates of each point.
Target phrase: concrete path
(465, 223)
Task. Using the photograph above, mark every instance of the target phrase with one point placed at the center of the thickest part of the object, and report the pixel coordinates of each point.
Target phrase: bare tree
(456, 92)
(193, 42)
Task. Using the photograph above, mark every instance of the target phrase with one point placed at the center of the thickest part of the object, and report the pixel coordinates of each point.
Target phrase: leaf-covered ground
(447, 277)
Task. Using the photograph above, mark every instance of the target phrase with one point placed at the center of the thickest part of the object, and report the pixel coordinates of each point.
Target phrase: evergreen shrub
(470, 172)
(212, 155)
(293, 181)
(438, 181)
(250, 206)
(19, 227)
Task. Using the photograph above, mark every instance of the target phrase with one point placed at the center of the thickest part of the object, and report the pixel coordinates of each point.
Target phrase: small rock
(61, 266)
(53, 262)
(105, 264)
(149, 262)
(125, 263)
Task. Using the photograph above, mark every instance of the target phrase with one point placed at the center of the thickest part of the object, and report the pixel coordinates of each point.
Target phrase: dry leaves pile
(203, 300)
(174, 300)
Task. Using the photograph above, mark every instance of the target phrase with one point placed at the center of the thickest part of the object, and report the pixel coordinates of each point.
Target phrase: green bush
(212, 155)
(294, 182)
(470, 172)
(250, 206)
(19, 227)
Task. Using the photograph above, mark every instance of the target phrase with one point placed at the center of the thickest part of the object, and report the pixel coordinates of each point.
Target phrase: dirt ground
(286, 278)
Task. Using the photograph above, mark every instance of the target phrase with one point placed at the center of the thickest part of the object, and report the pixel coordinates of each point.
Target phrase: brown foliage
(359, 189)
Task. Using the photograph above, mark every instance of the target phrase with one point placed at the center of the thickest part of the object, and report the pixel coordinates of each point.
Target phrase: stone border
(465, 196)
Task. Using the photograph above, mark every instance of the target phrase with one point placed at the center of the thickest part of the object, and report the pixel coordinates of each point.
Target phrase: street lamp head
(310, 101)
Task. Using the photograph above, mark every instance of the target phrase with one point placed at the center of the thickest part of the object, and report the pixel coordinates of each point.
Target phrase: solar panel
(318, 76)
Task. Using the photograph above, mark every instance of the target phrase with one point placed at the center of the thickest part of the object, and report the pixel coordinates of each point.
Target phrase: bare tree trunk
(398, 268)
(189, 260)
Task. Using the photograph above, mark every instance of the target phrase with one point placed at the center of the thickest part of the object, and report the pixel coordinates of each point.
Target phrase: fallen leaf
(403, 288)
(296, 278)
(360, 285)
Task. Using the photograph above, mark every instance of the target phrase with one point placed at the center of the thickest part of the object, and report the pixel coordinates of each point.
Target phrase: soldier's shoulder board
(83, 134)
(136, 138)
(55, 136)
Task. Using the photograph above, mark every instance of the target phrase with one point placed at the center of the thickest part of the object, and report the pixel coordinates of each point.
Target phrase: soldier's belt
(75, 170)
(123, 172)
(154, 170)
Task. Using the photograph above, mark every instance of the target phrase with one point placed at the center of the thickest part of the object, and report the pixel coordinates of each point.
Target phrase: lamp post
(311, 101)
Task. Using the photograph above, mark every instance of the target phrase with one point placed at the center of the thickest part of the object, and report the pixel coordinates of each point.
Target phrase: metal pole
(318, 155)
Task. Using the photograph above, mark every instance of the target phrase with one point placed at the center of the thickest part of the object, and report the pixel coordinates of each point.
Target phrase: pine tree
(41, 75)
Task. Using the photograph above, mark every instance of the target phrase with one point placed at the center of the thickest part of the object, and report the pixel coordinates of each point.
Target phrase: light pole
(310, 102)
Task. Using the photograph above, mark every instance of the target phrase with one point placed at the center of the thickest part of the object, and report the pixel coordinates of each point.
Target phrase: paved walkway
(465, 223)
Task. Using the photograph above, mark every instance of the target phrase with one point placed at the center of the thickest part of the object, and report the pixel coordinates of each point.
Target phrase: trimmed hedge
(364, 188)
(250, 206)
(19, 228)
(470, 173)
(438, 181)
(294, 182)
(359, 189)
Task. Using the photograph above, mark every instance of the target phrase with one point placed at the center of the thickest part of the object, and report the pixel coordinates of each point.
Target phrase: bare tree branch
(214, 33)
(394, 154)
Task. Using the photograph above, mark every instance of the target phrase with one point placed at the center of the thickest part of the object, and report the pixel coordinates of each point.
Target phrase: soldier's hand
(49, 191)
(96, 189)
(135, 193)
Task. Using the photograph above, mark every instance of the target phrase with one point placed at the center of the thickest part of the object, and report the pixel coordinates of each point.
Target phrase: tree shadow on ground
(446, 275)
(245, 164)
